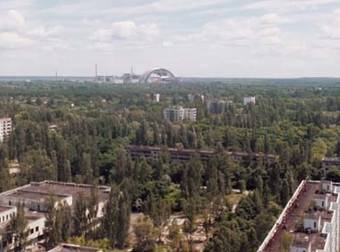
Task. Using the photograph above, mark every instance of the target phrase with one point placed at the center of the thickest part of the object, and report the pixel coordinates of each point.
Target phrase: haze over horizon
(205, 38)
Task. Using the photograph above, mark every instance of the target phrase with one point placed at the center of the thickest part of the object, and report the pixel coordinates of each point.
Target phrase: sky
(192, 38)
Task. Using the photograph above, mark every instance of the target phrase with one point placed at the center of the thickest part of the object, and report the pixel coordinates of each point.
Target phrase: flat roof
(73, 248)
(40, 191)
(4, 208)
(301, 241)
(32, 195)
(299, 209)
(62, 189)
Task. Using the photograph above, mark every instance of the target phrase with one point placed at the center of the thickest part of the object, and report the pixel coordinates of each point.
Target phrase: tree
(285, 192)
(5, 179)
(86, 168)
(58, 223)
(333, 174)
(80, 220)
(122, 219)
(192, 178)
(67, 171)
(18, 229)
(116, 219)
(145, 235)
(286, 241)
(109, 225)
(52, 234)
(159, 211)
(176, 238)
(319, 149)
(93, 204)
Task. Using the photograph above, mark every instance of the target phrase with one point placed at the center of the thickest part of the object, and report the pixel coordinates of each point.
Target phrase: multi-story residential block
(5, 128)
(35, 197)
(177, 155)
(249, 100)
(310, 220)
(216, 106)
(175, 114)
(330, 162)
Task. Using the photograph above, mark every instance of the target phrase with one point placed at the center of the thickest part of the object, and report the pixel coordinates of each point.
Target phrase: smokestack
(96, 70)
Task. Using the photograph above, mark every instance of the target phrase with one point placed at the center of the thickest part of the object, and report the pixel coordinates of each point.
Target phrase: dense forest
(79, 132)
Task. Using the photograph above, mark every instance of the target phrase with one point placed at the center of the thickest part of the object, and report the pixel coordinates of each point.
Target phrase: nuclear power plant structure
(157, 76)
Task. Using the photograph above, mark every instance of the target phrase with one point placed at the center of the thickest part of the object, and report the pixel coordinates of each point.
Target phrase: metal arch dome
(162, 75)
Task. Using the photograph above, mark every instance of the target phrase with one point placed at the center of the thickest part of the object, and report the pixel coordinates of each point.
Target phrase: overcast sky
(213, 38)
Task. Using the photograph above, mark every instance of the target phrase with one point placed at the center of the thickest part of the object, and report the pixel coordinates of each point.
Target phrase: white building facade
(176, 114)
(5, 128)
(249, 100)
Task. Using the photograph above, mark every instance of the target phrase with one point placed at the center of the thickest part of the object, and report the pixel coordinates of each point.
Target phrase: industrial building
(249, 100)
(178, 113)
(34, 197)
(311, 220)
(158, 76)
(5, 128)
(154, 76)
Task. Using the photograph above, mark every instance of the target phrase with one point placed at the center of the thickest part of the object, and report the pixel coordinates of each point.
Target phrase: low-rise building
(64, 247)
(178, 113)
(35, 197)
(5, 128)
(249, 100)
(311, 218)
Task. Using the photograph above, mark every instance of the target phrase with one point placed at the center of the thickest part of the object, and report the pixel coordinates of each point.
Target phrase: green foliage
(18, 229)
(145, 235)
(58, 223)
(85, 142)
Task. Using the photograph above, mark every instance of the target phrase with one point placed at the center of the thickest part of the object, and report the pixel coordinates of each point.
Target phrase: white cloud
(262, 30)
(288, 5)
(126, 32)
(331, 29)
(12, 40)
(16, 32)
(11, 20)
(254, 37)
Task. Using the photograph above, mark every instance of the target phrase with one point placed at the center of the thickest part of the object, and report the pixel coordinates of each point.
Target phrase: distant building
(180, 154)
(249, 99)
(193, 97)
(109, 80)
(130, 78)
(5, 128)
(216, 106)
(158, 76)
(330, 162)
(311, 218)
(156, 97)
(175, 114)
(34, 197)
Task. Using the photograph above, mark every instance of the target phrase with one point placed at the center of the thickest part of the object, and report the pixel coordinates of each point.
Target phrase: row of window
(32, 230)
(6, 218)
